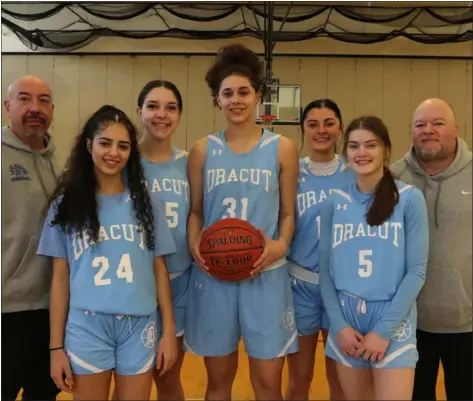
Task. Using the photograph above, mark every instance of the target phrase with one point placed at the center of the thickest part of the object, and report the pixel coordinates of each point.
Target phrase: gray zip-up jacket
(28, 178)
(444, 304)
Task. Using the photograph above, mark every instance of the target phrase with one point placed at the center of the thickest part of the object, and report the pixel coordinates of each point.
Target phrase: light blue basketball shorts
(260, 310)
(310, 313)
(363, 316)
(180, 289)
(96, 343)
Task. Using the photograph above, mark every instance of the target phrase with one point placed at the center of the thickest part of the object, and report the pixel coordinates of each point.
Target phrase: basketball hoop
(267, 120)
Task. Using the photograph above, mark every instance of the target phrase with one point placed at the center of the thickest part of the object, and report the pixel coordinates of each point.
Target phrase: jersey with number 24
(116, 274)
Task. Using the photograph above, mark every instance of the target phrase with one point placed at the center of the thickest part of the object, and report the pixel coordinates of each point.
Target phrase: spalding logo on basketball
(230, 248)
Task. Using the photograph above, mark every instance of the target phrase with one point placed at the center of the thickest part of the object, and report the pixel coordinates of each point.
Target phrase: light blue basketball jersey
(169, 183)
(243, 186)
(115, 275)
(312, 192)
(371, 263)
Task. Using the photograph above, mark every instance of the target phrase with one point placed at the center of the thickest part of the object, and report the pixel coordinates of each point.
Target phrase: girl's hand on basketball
(375, 347)
(167, 353)
(273, 250)
(195, 252)
(350, 341)
(61, 367)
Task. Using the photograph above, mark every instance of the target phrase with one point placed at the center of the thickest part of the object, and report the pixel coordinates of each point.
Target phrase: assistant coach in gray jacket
(28, 178)
(440, 165)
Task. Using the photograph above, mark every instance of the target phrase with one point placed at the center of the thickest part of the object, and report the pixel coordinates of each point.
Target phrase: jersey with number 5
(242, 186)
(169, 183)
(367, 261)
(116, 274)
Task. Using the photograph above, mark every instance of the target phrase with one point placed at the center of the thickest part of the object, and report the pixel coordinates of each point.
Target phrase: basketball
(230, 248)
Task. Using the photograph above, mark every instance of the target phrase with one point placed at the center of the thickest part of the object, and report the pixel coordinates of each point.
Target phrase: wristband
(55, 349)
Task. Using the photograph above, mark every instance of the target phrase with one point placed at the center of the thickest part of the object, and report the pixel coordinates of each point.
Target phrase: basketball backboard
(283, 103)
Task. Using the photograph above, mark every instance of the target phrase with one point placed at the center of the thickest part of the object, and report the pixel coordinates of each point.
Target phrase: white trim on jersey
(303, 170)
(215, 138)
(404, 189)
(181, 154)
(269, 140)
(341, 193)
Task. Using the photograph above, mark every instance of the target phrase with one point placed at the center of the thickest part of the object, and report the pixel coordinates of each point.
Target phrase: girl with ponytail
(372, 268)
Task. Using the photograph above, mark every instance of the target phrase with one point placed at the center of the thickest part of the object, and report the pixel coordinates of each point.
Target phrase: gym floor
(194, 384)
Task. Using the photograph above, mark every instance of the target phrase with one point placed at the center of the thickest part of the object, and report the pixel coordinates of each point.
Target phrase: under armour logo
(344, 207)
(302, 179)
(215, 152)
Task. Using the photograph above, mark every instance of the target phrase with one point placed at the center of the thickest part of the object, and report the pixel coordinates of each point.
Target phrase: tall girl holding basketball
(165, 167)
(319, 173)
(248, 173)
(108, 241)
(373, 266)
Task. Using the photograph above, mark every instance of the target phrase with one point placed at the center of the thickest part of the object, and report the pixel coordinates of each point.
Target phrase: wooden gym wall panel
(453, 89)
(66, 94)
(119, 85)
(469, 105)
(369, 87)
(390, 88)
(174, 69)
(396, 104)
(341, 85)
(93, 85)
(313, 76)
(425, 81)
(145, 69)
(13, 67)
(201, 113)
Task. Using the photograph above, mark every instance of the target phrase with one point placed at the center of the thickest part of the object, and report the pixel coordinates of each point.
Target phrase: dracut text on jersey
(179, 187)
(80, 243)
(345, 232)
(219, 176)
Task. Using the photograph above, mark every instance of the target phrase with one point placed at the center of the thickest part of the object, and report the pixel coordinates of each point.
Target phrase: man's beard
(428, 155)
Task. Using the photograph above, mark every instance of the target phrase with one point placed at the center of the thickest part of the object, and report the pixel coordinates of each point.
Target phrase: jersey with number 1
(116, 274)
(243, 186)
(312, 192)
(169, 183)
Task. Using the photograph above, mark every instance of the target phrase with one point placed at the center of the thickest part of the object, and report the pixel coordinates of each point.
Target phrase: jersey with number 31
(116, 274)
(169, 183)
(242, 186)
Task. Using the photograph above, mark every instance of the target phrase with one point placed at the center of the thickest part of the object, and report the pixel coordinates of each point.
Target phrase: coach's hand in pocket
(61, 371)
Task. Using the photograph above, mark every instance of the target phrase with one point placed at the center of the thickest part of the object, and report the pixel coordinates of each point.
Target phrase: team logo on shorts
(149, 335)
(288, 319)
(403, 331)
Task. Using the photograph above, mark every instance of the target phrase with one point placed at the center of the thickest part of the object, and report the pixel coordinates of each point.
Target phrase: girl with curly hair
(249, 173)
(107, 241)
